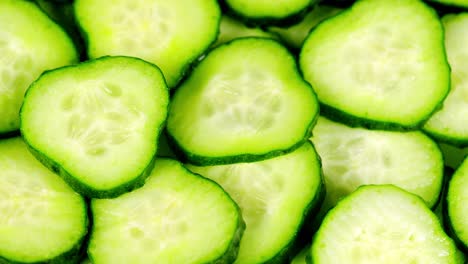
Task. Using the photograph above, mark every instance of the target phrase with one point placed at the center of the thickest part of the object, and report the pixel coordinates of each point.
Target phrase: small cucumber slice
(239, 101)
(295, 35)
(97, 124)
(457, 204)
(263, 12)
(382, 224)
(379, 64)
(171, 34)
(30, 43)
(450, 124)
(276, 197)
(176, 217)
(42, 220)
(353, 157)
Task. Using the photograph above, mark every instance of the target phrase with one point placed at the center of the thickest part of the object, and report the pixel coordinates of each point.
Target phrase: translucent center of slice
(97, 117)
(245, 101)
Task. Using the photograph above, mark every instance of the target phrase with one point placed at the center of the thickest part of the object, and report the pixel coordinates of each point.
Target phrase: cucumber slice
(97, 124)
(237, 103)
(379, 64)
(295, 35)
(42, 220)
(231, 28)
(262, 12)
(382, 224)
(450, 124)
(276, 197)
(353, 157)
(176, 217)
(30, 42)
(457, 204)
(171, 34)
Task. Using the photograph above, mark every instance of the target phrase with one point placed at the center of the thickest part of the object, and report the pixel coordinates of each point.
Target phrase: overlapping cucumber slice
(42, 220)
(97, 124)
(245, 101)
(176, 217)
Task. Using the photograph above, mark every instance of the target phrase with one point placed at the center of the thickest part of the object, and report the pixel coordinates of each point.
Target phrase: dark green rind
(338, 115)
(455, 141)
(9, 134)
(448, 224)
(354, 121)
(267, 20)
(301, 238)
(231, 251)
(79, 186)
(72, 256)
(447, 7)
(186, 70)
(185, 156)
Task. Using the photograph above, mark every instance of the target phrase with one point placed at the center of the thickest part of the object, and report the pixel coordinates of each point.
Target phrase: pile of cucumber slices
(233, 131)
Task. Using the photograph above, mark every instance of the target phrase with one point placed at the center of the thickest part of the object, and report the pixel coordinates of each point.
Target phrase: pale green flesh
(266, 8)
(230, 28)
(176, 217)
(239, 100)
(25, 53)
(382, 61)
(273, 195)
(382, 224)
(457, 201)
(99, 121)
(295, 35)
(452, 120)
(352, 157)
(170, 34)
(41, 217)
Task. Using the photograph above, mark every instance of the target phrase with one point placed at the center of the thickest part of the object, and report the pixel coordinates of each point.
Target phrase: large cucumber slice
(30, 43)
(168, 33)
(457, 204)
(382, 224)
(450, 124)
(176, 217)
(276, 197)
(379, 64)
(353, 157)
(239, 102)
(42, 220)
(97, 124)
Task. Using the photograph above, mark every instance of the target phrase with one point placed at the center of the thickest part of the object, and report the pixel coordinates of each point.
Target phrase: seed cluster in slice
(275, 196)
(353, 157)
(239, 101)
(176, 217)
(26, 52)
(41, 218)
(382, 224)
(377, 68)
(98, 123)
(170, 34)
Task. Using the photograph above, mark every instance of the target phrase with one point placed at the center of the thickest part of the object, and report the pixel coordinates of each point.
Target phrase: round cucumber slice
(42, 220)
(450, 124)
(176, 217)
(97, 123)
(238, 103)
(276, 196)
(382, 224)
(30, 43)
(379, 64)
(171, 34)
